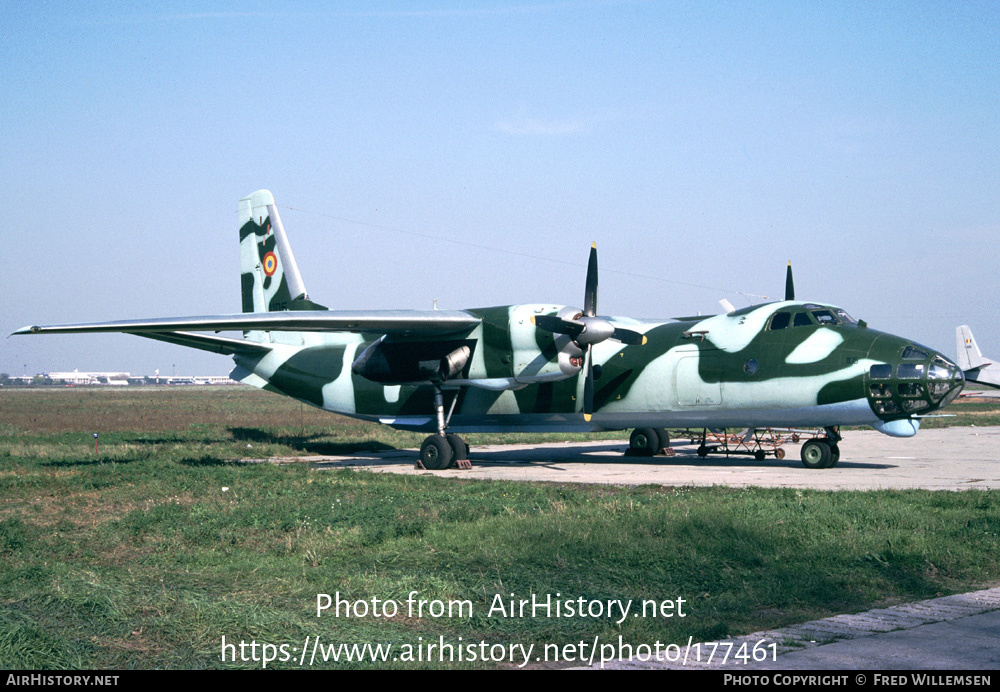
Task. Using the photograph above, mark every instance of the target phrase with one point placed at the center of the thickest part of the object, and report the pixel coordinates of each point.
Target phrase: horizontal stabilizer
(398, 322)
(215, 344)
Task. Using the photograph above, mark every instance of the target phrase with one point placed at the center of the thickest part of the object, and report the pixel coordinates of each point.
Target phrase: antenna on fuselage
(789, 284)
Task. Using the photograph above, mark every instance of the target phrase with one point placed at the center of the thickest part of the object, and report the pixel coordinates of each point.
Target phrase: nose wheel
(822, 452)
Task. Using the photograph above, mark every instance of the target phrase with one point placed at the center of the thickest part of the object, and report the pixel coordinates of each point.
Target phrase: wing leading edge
(397, 322)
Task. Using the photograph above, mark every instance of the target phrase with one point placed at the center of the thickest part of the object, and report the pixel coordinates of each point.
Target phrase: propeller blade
(557, 325)
(587, 330)
(789, 284)
(588, 388)
(628, 337)
(590, 294)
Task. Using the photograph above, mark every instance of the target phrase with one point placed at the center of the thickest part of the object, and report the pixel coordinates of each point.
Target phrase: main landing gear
(822, 452)
(444, 449)
(648, 442)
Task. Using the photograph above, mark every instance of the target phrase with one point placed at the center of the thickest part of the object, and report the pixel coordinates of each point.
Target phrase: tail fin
(270, 278)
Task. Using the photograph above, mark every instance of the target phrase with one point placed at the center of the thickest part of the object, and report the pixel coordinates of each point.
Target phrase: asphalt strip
(959, 632)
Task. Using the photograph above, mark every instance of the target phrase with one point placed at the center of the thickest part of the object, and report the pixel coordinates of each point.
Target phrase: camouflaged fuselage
(735, 370)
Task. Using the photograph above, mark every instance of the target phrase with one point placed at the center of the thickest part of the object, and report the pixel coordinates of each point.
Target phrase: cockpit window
(801, 320)
(845, 318)
(825, 317)
(910, 353)
(780, 320)
(910, 371)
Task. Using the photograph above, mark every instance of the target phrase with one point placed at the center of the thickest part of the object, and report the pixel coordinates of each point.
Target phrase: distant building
(119, 379)
(80, 378)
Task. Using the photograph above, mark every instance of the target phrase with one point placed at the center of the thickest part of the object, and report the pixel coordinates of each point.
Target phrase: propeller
(587, 329)
(789, 284)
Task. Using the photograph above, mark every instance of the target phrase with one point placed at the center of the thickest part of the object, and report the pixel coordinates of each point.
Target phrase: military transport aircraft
(556, 368)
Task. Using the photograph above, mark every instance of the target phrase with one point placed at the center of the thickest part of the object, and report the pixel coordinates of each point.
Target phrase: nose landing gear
(822, 452)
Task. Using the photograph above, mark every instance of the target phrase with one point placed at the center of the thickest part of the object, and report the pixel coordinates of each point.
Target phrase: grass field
(148, 552)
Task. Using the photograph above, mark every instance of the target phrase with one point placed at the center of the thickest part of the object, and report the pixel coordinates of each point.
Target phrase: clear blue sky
(701, 144)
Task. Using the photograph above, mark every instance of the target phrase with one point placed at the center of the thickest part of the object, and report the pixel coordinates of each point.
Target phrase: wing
(396, 322)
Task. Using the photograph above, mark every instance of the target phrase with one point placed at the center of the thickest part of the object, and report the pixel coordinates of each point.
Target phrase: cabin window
(940, 369)
(881, 391)
(780, 320)
(938, 372)
(911, 389)
(886, 407)
(802, 320)
(910, 371)
(939, 389)
(882, 371)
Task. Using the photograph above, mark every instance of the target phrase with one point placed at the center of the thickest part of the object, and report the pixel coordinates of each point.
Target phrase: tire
(779, 454)
(816, 454)
(436, 453)
(459, 447)
(702, 451)
(834, 456)
(644, 442)
(664, 439)
(760, 455)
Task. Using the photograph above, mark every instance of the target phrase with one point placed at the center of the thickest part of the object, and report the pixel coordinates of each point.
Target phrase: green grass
(137, 557)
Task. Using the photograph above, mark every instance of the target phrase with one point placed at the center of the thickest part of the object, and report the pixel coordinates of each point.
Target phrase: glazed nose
(914, 384)
(945, 381)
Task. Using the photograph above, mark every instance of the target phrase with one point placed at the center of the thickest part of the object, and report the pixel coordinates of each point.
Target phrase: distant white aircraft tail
(971, 360)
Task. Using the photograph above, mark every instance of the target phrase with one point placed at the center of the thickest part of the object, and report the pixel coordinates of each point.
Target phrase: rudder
(269, 277)
(266, 273)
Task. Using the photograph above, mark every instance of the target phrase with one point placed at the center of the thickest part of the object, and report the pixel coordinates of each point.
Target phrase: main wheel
(459, 446)
(644, 441)
(816, 454)
(436, 453)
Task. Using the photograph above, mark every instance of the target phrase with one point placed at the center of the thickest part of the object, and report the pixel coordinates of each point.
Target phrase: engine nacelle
(412, 362)
(538, 355)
